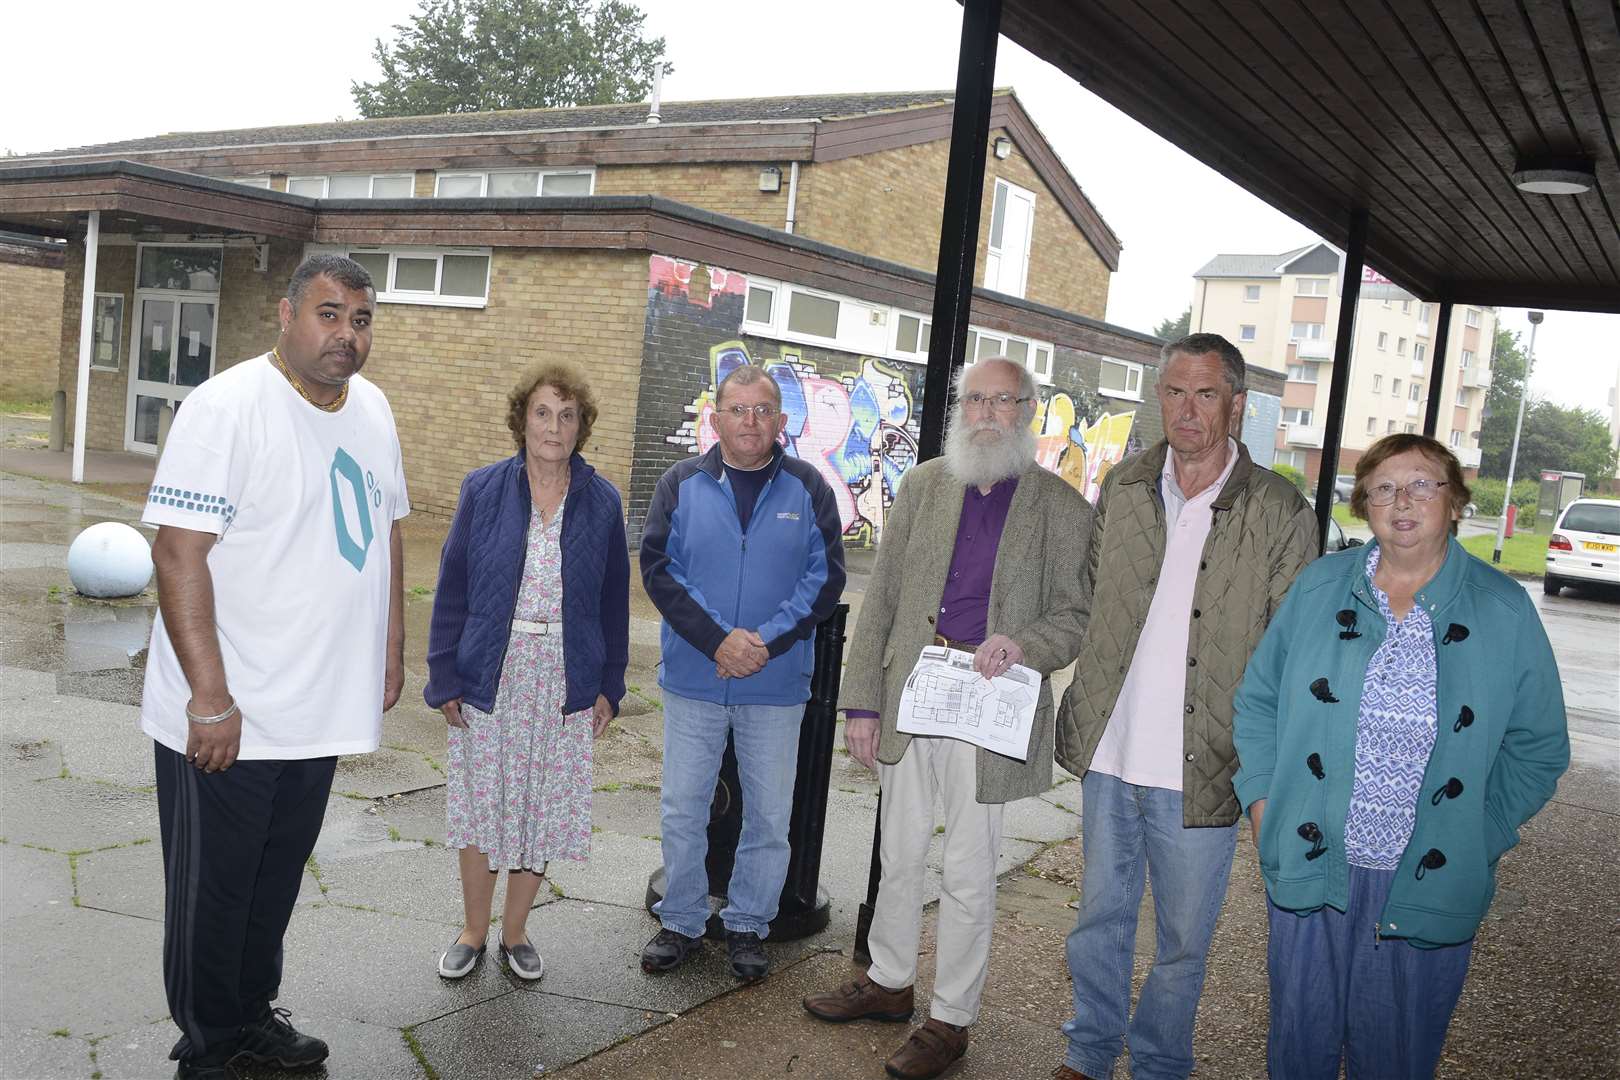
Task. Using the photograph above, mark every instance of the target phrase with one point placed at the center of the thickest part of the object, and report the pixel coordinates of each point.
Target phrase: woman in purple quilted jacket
(526, 658)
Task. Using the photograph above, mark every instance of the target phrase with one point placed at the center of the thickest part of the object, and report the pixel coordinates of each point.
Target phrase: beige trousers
(967, 903)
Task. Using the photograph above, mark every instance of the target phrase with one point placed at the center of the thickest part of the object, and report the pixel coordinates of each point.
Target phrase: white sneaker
(459, 960)
(523, 960)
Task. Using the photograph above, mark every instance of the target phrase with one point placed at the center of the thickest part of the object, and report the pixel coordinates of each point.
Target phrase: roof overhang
(1418, 115)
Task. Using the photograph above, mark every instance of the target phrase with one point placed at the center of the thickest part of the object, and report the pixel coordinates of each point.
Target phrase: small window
(1372, 425)
(427, 276)
(459, 186)
(393, 187)
(1245, 333)
(252, 181)
(990, 346)
(465, 275)
(312, 186)
(1472, 317)
(1411, 429)
(1400, 346)
(1467, 359)
(1120, 378)
(1302, 417)
(1406, 307)
(908, 334)
(1378, 382)
(1383, 340)
(348, 187)
(1389, 428)
(107, 332)
(761, 305)
(1414, 391)
(1305, 331)
(1419, 352)
(814, 315)
(185, 267)
(1423, 313)
(1394, 388)
(509, 184)
(1043, 362)
(567, 183)
(376, 264)
(1305, 373)
(1462, 396)
(1018, 352)
(415, 274)
(1311, 287)
(1456, 438)
(1251, 294)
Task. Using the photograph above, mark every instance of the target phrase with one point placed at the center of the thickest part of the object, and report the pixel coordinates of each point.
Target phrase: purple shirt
(965, 605)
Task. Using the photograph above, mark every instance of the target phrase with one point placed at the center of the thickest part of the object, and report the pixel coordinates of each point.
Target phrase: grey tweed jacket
(1039, 596)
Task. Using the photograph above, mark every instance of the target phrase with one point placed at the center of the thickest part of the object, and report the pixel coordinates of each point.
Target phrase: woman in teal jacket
(1401, 718)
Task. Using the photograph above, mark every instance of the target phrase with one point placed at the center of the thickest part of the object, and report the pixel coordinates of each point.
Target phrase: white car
(1585, 545)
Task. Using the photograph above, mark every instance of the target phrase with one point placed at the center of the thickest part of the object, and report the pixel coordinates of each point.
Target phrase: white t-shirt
(303, 502)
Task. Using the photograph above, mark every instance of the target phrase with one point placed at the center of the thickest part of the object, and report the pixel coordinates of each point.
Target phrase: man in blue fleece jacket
(743, 555)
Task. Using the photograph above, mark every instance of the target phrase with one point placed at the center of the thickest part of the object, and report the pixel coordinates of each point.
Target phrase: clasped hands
(740, 655)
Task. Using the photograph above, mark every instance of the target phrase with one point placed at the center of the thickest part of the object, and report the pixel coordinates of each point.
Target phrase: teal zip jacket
(1501, 746)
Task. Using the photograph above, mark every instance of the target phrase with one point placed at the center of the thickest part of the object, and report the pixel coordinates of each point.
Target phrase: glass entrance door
(173, 352)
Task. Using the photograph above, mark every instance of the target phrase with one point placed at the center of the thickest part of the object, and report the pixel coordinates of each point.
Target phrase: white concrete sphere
(109, 559)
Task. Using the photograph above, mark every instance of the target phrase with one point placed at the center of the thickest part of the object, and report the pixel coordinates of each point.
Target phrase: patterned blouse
(1394, 736)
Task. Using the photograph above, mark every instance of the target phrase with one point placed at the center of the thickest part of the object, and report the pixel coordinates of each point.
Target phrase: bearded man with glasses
(743, 555)
(983, 551)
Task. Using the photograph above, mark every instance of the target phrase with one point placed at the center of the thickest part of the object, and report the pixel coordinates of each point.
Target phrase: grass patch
(1523, 553)
(556, 889)
(25, 406)
(1347, 520)
(61, 1033)
(609, 787)
(420, 590)
(314, 869)
(415, 1048)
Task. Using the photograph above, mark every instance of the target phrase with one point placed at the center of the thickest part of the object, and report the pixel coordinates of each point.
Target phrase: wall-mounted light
(1552, 174)
(1003, 148)
(770, 178)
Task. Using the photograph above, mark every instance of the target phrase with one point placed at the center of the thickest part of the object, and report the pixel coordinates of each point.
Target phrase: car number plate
(1598, 547)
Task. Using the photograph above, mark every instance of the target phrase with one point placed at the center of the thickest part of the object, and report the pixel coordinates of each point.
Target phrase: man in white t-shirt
(278, 646)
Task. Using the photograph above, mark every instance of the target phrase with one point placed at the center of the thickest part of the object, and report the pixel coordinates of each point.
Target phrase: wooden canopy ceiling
(1417, 112)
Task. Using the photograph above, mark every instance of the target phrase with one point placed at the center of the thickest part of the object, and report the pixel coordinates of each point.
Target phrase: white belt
(524, 626)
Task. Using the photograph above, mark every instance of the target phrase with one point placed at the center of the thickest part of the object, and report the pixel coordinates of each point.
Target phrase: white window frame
(1471, 318)
(1456, 438)
(325, 183)
(768, 327)
(1307, 336)
(1462, 396)
(786, 297)
(997, 256)
(1372, 425)
(117, 338)
(1420, 353)
(1251, 299)
(1424, 311)
(1467, 359)
(1389, 427)
(371, 182)
(1302, 416)
(1312, 286)
(387, 295)
(1378, 383)
(1305, 368)
(1414, 391)
(1247, 332)
(1383, 340)
(483, 175)
(1411, 429)
(260, 182)
(1400, 346)
(1131, 369)
(1395, 387)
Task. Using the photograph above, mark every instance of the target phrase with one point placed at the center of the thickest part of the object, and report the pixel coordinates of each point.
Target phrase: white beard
(982, 464)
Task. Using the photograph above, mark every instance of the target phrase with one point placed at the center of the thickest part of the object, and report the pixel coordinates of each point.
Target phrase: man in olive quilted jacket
(1192, 551)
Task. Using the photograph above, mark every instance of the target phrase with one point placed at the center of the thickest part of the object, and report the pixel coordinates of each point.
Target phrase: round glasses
(1417, 491)
(764, 410)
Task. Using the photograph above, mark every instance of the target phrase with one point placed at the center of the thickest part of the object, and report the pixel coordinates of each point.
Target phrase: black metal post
(804, 908)
(1338, 388)
(1437, 370)
(953, 285)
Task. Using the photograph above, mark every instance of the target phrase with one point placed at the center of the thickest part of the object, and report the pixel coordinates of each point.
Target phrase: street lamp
(1513, 455)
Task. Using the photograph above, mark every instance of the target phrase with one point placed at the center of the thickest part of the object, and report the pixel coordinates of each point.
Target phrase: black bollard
(805, 906)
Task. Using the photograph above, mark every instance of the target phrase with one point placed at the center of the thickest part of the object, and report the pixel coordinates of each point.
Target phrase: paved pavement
(81, 888)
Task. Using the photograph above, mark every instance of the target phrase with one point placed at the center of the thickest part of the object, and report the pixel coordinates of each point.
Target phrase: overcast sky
(182, 65)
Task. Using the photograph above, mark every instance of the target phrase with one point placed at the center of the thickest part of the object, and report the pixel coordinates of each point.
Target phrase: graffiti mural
(699, 284)
(855, 427)
(1079, 449)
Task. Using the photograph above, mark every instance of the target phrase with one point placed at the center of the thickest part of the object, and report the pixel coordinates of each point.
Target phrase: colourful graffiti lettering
(675, 276)
(1079, 452)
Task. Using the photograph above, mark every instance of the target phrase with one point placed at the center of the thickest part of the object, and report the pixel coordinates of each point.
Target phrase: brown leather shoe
(861, 999)
(931, 1050)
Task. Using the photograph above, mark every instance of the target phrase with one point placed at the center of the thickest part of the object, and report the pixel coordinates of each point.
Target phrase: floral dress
(520, 776)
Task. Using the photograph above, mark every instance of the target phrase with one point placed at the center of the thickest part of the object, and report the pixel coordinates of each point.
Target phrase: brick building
(30, 317)
(794, 233)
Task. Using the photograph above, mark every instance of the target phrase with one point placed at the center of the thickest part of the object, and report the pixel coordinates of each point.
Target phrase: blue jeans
(767, 742)
(1130, 834)
(1337, 991)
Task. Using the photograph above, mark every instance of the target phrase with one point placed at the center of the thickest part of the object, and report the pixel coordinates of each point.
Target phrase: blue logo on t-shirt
(345, 465)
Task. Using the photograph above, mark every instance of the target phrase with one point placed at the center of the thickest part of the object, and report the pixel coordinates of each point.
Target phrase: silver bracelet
(221, 718)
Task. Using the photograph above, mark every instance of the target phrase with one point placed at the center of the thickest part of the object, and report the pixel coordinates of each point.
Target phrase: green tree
(484, 55)
(1553, 437)
(1172, 329)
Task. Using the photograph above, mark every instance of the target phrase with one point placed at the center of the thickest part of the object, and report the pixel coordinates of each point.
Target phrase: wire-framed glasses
(1418, 491)
(1000, 402)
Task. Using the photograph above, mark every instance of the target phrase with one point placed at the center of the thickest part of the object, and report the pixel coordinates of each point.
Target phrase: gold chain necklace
(343, 394)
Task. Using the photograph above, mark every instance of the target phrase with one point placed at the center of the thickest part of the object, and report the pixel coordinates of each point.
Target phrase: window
(107, 332)
(1018, 351)
(760, 306)
(1311, 287)
(990, 345)
(1462, 396)
(1467, 359)
(1400, 346)
(459, 186)
(1456, 438)
(262, 182)
(1372, 425)
(185, 267)
(816, 316)
(1406, 307)
(1042, 367)
(1120, 378)
(1383, 340)
(1302, 373)
(912, 334)
(1251, 294)
(448, 277)
(1419, 352)
(1411, 429)
(1471, 317)
(1389, 428)
(1414, 392)
(1394, 388)
(356, 186)
(1295, 458)
(1378, 382)
(1302, 331)
(1424, 310)
(1301, 417)
(1245, 333)
(514, 183)
(1012, 226)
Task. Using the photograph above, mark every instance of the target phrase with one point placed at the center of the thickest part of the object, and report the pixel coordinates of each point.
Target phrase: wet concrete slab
(526, 1035)
(608, 876)
(417, 815)
(385, 772)
(89, 971)
(26, 1054)
(33, 881)
(76, 815)
(360, 1051)
(421, 884)
(125, 881)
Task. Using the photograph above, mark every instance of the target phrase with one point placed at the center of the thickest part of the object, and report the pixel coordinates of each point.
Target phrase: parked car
(1585, 545)
(1337, 541)
(1343, 485)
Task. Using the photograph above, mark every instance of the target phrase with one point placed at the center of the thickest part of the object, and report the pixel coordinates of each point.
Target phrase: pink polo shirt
(1142, 744)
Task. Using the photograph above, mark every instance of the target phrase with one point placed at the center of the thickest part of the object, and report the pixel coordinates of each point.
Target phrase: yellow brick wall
(30, 330)
(728, 189)
(888, 204)
(115, 273)
(447, 371)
